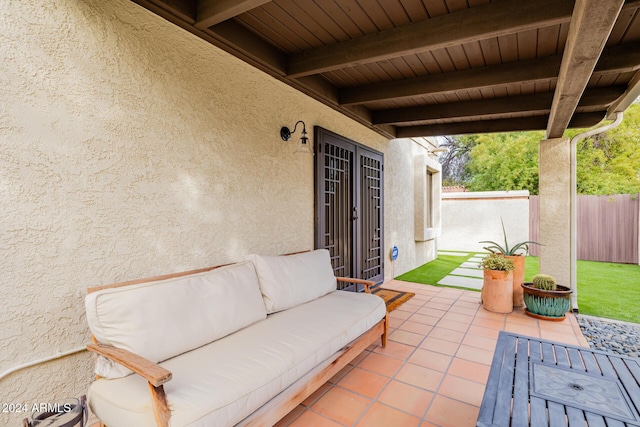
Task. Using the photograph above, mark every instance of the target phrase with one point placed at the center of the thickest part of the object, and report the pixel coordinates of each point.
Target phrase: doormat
(393, 299)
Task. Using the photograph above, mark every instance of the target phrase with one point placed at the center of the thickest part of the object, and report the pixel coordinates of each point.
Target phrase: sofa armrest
(152, 372)
(367, 283)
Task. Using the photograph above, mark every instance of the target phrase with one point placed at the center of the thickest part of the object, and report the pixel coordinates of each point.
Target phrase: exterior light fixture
(303, 147)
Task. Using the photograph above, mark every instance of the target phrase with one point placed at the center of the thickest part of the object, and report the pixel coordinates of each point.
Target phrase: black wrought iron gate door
(369, 241)
(349, 205)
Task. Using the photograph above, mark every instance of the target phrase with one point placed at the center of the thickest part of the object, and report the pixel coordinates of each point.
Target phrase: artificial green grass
(531, 267)
(604, 289)
(609, 290)
(434, 271)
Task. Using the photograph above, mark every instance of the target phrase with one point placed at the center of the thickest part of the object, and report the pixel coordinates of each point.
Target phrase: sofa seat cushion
(225, 381)
(290, 280)
(162, 319)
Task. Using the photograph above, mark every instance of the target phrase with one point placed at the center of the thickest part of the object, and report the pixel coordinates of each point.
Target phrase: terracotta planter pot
(518, 280)
(547, 305)
(497, 291)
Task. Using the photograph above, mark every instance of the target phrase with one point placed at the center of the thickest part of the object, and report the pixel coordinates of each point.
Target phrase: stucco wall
(468, 218)
(130, 148)
(400, 224)
(555, 211)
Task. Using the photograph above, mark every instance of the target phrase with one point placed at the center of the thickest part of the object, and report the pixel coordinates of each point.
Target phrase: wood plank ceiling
(409, 68)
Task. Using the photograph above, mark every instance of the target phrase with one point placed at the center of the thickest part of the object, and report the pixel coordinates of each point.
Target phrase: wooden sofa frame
(272, 411)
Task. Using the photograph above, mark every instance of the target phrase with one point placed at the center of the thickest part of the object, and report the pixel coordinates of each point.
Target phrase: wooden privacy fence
(607, 227)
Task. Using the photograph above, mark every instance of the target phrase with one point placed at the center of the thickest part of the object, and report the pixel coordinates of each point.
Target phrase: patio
(434, 368)
(142, 138)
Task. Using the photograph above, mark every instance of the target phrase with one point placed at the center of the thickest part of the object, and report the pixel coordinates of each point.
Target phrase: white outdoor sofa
(241, 344)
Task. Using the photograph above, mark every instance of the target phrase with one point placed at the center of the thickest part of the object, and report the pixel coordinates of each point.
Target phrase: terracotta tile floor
(433, 370)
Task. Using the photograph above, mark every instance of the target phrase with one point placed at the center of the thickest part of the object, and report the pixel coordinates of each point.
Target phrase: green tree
(607, 163)
(505, 161)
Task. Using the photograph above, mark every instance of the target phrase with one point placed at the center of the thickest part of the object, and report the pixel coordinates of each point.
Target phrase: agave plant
(506, 250)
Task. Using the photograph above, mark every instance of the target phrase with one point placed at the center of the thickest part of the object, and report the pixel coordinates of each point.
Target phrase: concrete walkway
(468, 275)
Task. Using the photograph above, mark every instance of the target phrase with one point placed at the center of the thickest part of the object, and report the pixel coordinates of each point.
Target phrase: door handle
(355, 213)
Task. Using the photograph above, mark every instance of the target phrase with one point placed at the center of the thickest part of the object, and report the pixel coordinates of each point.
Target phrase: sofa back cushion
(291, 280)
(162, 319)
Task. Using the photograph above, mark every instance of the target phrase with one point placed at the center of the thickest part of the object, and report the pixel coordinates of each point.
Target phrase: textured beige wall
(471, 217)
(427, 200)
(555, 209)
(130, 148)
(400, 205)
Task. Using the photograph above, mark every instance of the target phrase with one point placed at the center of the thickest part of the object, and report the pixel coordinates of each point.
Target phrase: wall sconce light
(304, 146)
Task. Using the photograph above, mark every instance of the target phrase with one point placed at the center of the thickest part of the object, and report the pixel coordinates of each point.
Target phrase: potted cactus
(497, 288)
(545, 299)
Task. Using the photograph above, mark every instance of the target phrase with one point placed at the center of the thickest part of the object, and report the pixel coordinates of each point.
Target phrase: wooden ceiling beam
(601, 96)
(245, 45)
(184, 10)
(591, 24)
(631, 94)
(631, 4)
(212, 12)
(580, 120)
(482, 107)
(617, 59)
(483, 77)
(468, 25)
(540, 102)
(253, 49)
(240, 42)
(228, 36)
(248, 46)
(320, 89)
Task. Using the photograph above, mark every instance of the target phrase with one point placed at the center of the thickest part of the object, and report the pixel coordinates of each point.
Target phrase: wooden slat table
(534, 382)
